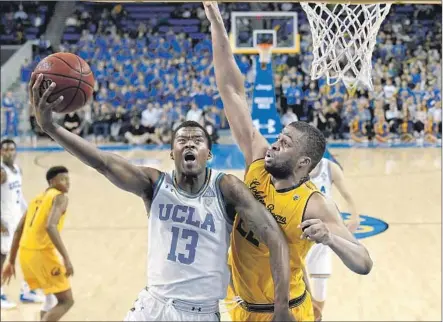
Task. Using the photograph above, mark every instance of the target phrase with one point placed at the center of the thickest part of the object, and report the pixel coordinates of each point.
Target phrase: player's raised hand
(7, 273)
(315, 230)
(39, 100)
(212, 11)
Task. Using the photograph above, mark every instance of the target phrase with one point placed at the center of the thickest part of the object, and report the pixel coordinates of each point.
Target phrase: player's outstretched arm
(230, 83)
(323, 224)
(259, 220)
(338, 179)
(119, 171)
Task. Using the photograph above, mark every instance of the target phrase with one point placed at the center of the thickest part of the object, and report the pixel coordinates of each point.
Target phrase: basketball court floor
(106, 236)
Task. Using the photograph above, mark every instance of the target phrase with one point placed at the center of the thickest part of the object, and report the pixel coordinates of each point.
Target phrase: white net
(343, 39)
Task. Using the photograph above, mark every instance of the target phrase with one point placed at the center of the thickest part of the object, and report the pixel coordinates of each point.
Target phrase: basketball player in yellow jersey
(278, 176)
(38, 238)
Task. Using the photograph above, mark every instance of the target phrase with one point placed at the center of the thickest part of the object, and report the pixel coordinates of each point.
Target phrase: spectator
(393, 117)
(435, 115)
(137, 135)
(389, 89)
(332, 114)
(294, 99)
(150, 118)
(420, 120)
(72, 122)
(102, 121)
(163, 131)
(194, 114)
(289, 117)
(11, 111)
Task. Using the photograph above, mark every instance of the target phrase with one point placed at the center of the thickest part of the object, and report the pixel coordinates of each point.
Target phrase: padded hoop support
(265, 51)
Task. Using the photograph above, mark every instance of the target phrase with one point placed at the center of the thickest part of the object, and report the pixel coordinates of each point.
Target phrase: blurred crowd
(151, 76)
(21, 21)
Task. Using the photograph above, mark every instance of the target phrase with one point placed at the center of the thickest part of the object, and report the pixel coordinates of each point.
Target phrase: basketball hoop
(265, 51)
(343, 39)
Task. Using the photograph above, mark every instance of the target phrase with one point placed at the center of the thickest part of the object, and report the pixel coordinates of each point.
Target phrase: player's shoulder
(230, 186)
(319, 207)
(257, 169)
(225, 180)
(151, 174)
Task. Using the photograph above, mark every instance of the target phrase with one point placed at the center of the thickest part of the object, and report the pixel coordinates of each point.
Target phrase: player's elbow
(50, 228)
(366, 266)
(229, 88)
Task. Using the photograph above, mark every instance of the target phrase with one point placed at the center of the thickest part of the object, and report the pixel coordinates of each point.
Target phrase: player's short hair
(313, 141)
(186, 124)
(54, 171)
(7, 141)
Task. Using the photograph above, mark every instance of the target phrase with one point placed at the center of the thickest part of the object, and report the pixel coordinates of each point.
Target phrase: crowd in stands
(147, 83)
(21, 21)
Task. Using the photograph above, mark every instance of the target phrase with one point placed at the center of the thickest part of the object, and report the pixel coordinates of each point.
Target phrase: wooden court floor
(106, 235)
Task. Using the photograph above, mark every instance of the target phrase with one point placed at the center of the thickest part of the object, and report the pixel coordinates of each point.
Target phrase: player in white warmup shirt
(13, 206)
(318, 260)
(190, 220)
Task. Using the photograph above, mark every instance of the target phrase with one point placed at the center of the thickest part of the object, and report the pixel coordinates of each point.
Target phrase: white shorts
(318, 260)
(150, 307)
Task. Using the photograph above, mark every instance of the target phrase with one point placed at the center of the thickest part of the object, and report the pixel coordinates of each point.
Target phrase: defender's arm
(59, 206)
(338, 179)
(353, 254)
(259, 220)
(230, 83)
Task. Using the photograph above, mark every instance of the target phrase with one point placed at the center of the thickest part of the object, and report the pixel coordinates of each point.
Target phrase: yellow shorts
(43, 269)
(303, 312)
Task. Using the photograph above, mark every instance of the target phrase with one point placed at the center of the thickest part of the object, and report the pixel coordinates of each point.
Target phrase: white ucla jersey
(189, 237)
(11, 195)
(323, 179)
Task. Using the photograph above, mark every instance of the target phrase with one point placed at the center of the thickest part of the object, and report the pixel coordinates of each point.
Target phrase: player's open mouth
(268, 155)
(189, 157)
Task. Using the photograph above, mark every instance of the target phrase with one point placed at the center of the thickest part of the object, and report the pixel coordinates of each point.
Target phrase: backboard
(248, 29)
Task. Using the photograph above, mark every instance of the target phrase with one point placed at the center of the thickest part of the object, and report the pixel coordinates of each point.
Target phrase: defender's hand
(315, 230)
(7, 273)
(43, 109)
(353, 225)
(69, 268)
(212, 11)
(283, 315)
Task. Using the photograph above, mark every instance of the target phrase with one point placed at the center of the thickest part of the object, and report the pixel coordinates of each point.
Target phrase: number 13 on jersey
(191, 236)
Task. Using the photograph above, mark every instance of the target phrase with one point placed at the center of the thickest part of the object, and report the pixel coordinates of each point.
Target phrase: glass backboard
(277, 28)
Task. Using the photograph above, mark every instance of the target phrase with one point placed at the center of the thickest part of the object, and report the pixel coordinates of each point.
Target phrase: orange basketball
(73, 77)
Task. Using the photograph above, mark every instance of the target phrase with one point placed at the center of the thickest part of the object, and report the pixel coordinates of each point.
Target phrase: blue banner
(264, 111)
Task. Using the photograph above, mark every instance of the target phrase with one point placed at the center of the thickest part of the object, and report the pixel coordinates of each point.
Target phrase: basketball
(73, 77)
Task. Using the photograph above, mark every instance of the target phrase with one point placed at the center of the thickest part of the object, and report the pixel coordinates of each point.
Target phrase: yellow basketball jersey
(249, 258)
(34, 234)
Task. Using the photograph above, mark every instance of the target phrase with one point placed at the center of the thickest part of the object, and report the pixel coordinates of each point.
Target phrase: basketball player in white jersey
(318, 260)
(13, 206)
(190, 220)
